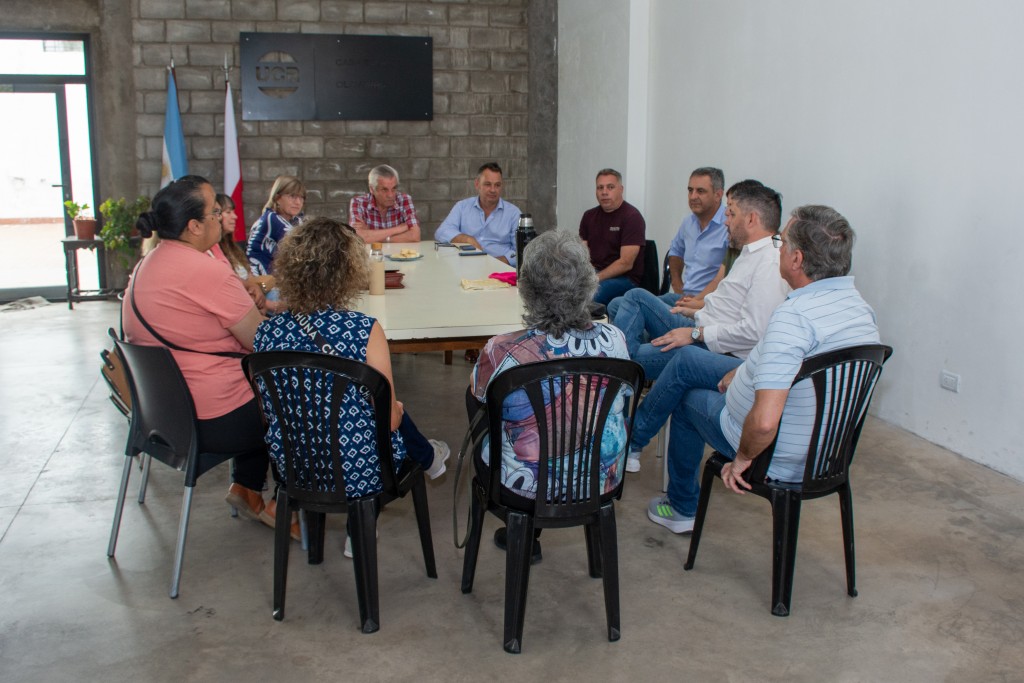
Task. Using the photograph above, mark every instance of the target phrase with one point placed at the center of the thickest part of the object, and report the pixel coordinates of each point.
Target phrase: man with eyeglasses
(384, 214)
(739, 410)
(721, 334)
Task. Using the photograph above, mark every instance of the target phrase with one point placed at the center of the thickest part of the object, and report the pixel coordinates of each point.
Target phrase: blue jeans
(642, 316)
(695, 421)
(692, 367)
(416, 445)
(670, 298)
(612, 288)
(688, 391)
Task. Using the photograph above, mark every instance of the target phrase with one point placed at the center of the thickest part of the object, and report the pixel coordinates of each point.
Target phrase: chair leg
(419, 501)
(707, 481)
(282, 544)
(610, 565)
(592, 532)
(362, 526)
(119, 508)
(517, 577)
(179, 551)
(846, 513)
(785, 524)
(317, 525)
(147, 460)
(231, 465)
(304, 530)
(663, 451)
(476, 526)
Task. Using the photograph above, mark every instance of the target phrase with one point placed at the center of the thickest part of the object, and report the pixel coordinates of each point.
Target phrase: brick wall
(480, 100)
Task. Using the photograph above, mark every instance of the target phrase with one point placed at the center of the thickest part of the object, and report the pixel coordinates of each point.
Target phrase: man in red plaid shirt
(384, 214)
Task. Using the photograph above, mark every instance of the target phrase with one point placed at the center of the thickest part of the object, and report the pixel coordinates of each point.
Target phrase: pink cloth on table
(508, 277)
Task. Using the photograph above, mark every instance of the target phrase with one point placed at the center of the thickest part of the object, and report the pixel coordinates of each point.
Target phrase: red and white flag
(232, 166)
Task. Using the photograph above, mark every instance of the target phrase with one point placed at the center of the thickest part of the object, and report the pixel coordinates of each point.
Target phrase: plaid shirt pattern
(363, 208)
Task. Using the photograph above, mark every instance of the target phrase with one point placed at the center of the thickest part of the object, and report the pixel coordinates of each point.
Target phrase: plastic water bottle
(524, 234)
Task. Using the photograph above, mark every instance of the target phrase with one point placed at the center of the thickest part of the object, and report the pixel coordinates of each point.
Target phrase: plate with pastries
(405, 255)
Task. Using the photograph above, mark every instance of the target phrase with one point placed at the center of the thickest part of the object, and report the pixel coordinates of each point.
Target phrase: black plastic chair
(843, 383)
(568, 491)
(162, 425)
(666, 277)
(306, 389)
(649, 281)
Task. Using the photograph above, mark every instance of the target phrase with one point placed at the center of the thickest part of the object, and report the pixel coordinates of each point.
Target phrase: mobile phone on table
(466, 247)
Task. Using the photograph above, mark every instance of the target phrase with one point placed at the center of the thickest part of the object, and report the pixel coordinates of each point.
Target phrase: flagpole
(232, 164)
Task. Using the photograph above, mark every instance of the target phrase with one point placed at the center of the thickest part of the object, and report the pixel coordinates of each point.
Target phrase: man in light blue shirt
(486, 221)
(742, 417)
(699, 245)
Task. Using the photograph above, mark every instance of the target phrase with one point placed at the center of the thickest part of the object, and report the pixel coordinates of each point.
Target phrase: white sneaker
(441, 453)
(347, 552)
(633, 461)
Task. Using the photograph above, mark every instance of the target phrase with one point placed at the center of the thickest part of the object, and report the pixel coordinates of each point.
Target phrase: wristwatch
(697, 334)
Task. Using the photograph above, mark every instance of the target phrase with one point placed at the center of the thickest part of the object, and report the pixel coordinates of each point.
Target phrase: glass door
(47, 160)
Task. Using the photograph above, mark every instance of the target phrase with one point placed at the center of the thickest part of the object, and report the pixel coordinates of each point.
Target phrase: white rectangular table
(432, 312)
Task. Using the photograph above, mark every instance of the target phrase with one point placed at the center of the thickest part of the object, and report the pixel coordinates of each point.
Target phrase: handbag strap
(157, 335)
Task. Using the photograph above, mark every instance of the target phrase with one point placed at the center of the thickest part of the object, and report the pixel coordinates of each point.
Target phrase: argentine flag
(175, 163)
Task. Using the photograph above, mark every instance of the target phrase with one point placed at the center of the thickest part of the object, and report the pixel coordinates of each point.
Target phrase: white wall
(593, 78)
(905, 115)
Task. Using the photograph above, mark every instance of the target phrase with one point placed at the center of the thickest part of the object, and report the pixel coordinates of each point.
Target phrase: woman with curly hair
(321, 268)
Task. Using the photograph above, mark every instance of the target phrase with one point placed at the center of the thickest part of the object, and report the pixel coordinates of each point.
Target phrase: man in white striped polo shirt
(824, 312)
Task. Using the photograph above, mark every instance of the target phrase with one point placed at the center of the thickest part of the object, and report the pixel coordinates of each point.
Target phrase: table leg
(71, 267)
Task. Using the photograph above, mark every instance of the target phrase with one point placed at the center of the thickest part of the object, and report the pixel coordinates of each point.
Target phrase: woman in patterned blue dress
(321, 267)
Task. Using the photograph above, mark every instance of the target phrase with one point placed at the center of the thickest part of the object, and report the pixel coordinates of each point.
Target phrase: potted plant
(119, 217)
(85, 226)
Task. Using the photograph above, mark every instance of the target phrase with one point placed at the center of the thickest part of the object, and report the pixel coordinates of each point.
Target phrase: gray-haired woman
(556, 283)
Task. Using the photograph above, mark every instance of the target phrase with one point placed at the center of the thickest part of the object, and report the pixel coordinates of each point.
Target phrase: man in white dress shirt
(721, 334)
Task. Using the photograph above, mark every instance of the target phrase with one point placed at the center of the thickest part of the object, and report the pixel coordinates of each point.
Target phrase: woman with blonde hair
(281, 213)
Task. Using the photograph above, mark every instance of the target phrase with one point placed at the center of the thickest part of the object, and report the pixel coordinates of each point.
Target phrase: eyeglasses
(216, 213)
(778, 241)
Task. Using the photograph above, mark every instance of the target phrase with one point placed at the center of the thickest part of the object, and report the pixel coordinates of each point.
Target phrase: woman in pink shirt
(188, 300)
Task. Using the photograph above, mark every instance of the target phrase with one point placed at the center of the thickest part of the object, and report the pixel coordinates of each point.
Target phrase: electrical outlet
(949, 381)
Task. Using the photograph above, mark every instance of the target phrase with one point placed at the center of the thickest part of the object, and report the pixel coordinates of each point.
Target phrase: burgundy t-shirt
(606, 232)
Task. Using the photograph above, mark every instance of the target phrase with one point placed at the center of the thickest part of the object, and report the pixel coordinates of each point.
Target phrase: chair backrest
(303, 394)
(666, 276)
(163, 417)
(649, 281)
(844, 381)
(571, 400)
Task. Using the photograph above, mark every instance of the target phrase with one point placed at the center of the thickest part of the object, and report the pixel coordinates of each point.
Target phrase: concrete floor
(939, 547)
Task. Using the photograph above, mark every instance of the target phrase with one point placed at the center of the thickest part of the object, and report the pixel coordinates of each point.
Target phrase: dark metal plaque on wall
(290, 76)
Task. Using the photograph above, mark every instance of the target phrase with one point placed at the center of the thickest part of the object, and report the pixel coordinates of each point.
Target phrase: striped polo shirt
(825, 315)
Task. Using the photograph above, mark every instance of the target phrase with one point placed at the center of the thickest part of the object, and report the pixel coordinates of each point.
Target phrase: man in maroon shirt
(614, 232)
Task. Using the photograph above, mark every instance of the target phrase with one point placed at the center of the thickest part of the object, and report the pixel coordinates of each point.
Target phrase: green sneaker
(661, 512)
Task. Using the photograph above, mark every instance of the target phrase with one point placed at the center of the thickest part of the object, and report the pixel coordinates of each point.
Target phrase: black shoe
(501, 540)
